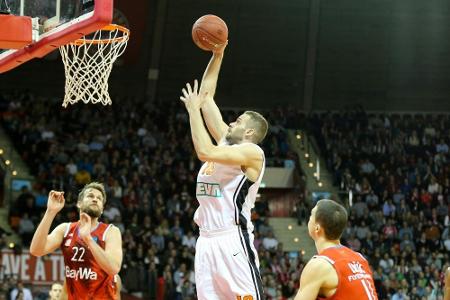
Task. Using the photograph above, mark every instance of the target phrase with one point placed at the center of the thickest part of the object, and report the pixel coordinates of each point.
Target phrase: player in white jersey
(226, 262)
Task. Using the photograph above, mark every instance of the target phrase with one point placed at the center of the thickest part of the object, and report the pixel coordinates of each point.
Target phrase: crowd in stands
(142, 152)
(397, 168)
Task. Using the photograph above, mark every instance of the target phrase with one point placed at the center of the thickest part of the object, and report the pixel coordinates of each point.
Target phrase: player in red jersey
(92, 250)
(63, 295)
(337, 272)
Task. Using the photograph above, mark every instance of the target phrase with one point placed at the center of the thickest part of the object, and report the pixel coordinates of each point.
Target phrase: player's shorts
(227, 266)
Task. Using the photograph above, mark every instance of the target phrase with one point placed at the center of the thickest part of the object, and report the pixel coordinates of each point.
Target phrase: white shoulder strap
(106, 230)
(325, 258)
(67, 229)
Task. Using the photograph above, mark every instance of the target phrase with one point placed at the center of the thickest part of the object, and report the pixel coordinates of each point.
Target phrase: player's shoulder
(114, 228)
(322, 261)
(111, 230)
(250, 145)
(61, 230)
(323, 270)
(251, 150)
(321, 264)
(246, 146)
(64, 227)
(318, 271)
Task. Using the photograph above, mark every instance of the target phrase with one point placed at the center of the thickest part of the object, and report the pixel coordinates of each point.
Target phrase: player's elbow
(36, 252)
(202, 156)
(205, 154)
(114, 270)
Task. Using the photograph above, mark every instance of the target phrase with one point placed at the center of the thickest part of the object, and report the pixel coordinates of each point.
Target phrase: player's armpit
(53, 242)
(56, 237)
(246, 155)
(118, 287)
(312, 279)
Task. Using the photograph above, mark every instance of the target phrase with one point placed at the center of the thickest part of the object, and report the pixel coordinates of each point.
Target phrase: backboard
(56, 23)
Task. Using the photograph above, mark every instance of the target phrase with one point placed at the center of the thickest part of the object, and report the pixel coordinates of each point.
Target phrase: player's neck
(94, 223)
(246, 141)
(322, 244)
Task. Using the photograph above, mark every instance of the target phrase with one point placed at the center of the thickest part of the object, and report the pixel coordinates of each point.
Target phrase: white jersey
(226, 196)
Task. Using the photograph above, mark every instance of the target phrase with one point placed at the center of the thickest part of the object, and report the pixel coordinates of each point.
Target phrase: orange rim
(111, 27)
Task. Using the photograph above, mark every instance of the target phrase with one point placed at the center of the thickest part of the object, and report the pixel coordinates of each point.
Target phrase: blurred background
(357, 94)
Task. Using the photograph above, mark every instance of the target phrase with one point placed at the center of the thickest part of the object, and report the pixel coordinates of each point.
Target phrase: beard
(232, 138)
(228, 139)
(91, 212)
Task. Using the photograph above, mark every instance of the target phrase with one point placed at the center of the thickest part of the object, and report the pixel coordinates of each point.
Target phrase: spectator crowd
(397, 168)
(142, 152)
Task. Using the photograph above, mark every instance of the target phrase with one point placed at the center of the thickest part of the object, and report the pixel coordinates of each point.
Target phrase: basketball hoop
(88, 63)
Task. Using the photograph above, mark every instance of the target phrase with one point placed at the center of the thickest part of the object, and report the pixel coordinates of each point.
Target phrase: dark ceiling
(383, 54)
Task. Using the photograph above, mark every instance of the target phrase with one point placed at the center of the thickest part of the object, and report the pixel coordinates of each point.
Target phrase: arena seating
(396, 165)
(144, 155)
(398, 168)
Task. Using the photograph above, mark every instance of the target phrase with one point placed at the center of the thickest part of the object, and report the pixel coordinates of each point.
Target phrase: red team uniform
(354, 274)
(85, 279)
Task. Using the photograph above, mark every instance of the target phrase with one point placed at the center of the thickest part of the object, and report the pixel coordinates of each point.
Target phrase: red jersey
(355, 279)
(85, 279)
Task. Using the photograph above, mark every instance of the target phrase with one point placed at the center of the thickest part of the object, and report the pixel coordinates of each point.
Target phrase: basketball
(209, 32)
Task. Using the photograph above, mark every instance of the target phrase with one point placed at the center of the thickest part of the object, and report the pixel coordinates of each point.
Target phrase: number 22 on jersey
(78, 254)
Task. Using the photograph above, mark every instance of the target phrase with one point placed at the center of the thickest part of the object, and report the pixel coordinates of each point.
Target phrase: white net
(88, 63)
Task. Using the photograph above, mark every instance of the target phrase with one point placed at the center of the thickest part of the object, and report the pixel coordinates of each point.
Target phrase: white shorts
(227, 266)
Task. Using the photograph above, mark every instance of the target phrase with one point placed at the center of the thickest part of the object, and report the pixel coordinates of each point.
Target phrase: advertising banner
(30, 269)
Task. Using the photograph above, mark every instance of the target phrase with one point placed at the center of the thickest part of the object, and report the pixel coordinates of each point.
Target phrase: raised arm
(246, 155)
(211, 113)
(42, 242)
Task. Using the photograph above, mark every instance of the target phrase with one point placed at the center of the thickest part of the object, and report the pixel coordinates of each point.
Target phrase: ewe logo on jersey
(81, 273)
(208, 189)
(356, 267)
(358, 272)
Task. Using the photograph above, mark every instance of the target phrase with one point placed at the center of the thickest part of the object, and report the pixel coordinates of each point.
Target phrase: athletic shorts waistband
(218, 232)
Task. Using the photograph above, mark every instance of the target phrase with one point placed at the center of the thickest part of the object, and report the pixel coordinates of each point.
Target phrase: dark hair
(332, 217)
(93, 185)
(259, 123)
